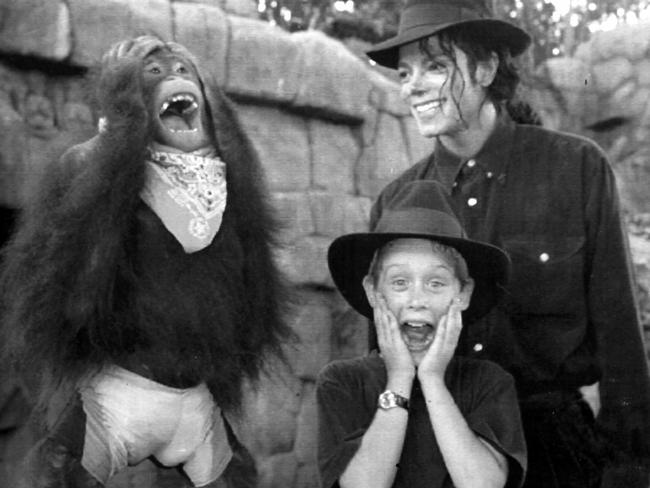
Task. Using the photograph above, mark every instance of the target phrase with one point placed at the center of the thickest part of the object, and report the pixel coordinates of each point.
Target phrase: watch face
(387, 399)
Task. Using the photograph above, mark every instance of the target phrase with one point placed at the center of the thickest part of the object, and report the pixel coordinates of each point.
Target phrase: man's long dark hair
(503, 91)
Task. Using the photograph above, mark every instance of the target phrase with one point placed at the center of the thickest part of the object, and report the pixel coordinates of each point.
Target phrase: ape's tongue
(174, 122)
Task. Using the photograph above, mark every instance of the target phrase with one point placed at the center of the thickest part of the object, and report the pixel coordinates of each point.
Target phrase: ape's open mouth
(179, 113)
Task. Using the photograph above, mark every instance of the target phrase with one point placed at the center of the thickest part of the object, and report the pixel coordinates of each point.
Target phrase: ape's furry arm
(61, 265)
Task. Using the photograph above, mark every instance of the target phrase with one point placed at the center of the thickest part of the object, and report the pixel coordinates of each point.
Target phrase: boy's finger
(390, 318)
(379, 324)
(454, 323)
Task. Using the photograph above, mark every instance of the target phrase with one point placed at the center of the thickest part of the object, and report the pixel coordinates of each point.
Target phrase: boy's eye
(398, 283)
(403, 75)
(436, 284)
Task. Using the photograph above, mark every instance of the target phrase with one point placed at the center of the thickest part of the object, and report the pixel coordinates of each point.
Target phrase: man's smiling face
(442, 93)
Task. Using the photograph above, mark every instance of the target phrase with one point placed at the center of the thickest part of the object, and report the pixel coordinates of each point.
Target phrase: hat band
(419, 221)
(427, 14)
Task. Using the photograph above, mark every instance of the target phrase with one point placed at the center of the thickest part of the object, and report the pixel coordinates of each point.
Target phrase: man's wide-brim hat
(419, 210)
(423, 18)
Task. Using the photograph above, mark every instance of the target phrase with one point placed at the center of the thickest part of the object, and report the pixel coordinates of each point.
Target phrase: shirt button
(478, 347)
(489, 174)
(471, 163)
(455, 184)
(472, 201)
(544, 257)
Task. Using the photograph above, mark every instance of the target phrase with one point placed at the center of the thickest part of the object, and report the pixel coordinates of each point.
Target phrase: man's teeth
(423, 107)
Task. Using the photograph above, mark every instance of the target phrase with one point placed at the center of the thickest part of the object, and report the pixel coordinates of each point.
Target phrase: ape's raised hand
(121, 93)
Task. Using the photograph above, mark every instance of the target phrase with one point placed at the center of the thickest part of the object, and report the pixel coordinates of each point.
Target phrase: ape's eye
(155, 70)
(181, 69)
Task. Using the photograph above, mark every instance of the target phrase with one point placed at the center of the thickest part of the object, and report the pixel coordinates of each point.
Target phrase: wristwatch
(390, 399)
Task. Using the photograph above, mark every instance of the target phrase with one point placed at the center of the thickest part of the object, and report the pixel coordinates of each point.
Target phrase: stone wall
(603, 92)
(330, 132)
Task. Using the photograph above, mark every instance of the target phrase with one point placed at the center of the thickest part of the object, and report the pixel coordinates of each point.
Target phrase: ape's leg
(49, 464)
(55, 460)
(241, 472)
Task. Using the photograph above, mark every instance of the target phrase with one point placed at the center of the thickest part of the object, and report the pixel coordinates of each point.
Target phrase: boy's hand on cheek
(435, 361)
(393, 349)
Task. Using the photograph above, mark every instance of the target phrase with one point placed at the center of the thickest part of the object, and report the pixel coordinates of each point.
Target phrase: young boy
(413, 415)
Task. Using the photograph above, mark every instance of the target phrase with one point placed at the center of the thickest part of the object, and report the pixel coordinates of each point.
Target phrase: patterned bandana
(188, 193)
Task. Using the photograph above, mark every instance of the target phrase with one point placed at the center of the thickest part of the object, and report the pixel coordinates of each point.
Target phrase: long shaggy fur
(92, 276)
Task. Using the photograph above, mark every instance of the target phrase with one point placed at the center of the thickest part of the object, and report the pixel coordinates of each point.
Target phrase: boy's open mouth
(417, 335)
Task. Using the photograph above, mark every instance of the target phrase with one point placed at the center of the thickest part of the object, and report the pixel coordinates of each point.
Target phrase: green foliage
(555, 30)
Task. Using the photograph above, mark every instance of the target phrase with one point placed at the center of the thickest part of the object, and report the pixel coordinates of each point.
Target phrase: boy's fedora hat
(419, 210)
(423, 18)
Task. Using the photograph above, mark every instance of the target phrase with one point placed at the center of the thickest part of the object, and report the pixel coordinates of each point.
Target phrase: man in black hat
(568, 328)
(413, 415)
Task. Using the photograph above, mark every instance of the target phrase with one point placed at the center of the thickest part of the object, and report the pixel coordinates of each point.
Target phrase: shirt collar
(491, 158)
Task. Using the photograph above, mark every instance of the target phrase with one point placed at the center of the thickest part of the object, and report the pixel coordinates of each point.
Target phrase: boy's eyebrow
(441, 265)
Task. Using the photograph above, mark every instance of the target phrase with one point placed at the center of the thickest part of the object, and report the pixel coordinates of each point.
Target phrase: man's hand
(435, 361)
(393, 349)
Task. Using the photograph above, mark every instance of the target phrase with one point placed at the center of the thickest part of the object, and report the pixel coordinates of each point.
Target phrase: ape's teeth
(164, 107)
(185, 97)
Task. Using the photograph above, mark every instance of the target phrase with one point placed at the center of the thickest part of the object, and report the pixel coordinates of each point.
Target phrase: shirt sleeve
(613, 313)
(341, 422)
(492, 412)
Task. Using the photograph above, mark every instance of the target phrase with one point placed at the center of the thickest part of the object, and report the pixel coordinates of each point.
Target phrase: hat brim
(349, 258)
(497, 32)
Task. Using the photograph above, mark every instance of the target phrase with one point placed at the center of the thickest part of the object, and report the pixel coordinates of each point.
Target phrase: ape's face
(178, 107)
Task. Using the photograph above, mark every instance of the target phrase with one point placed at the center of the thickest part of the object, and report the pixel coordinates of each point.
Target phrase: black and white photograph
(325, 243)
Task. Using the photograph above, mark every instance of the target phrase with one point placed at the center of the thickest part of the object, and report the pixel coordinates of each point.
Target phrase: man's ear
(486, 70)
(369, 288)
(465, 294)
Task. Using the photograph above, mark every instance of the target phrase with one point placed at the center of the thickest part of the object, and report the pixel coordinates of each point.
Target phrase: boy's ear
(465, 294)
(486, 70)
(369, 288)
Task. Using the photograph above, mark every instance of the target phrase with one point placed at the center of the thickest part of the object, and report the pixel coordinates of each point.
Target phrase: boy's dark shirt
(568, 317)
(347, 393)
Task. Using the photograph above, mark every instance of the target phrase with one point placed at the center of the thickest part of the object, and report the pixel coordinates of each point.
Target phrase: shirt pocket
(547, 275)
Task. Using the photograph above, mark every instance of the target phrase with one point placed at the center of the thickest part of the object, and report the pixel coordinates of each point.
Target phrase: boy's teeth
(416, 324)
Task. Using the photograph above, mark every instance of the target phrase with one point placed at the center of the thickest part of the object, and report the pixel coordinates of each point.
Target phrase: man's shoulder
(533, 136)
(416, 172)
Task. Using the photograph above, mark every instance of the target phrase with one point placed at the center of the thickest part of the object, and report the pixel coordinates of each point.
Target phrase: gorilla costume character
(139, 290)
